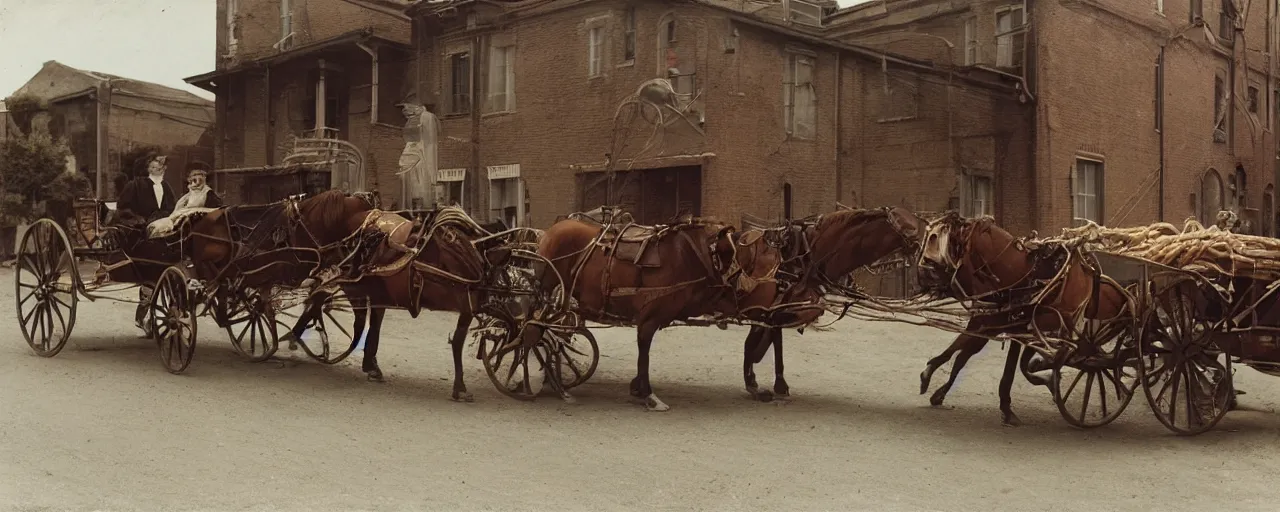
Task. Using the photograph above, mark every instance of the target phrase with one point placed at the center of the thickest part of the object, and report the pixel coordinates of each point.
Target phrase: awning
(364, 35)
(645, 163)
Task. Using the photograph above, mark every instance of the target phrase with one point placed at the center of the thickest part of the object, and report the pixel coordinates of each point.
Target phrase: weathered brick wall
(259, 26)
(564, 118)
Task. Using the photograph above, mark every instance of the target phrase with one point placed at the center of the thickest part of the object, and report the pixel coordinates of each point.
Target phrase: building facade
(767, 117)
(86, 108)
(1145, 110)
(293, 76)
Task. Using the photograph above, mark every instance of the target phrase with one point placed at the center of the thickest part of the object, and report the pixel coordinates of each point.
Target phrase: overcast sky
(161, 41)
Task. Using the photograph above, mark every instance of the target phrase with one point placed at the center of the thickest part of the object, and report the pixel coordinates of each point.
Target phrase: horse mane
(325, 208)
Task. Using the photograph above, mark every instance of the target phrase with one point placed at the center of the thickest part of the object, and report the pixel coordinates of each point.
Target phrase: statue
(418, 161)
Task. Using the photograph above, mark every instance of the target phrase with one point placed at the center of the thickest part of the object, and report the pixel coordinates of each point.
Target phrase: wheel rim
(45, 288)
(251, 325)
(331, 337)
(1093, 385)
(173, 320)
(1185, 376)
(512, 368)
(578, 355)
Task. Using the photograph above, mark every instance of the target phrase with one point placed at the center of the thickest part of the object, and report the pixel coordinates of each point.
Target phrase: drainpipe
(1160, 112)
(104, 110)
(477, 45)
(839, 112)
(373, 96)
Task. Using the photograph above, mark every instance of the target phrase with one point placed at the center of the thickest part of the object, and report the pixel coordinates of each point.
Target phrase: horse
(819, 253)
(651, 277)
(390, 261)
(1046, 288)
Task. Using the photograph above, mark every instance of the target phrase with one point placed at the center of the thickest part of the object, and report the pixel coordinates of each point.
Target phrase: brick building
(776, 119)
(1144, 109)
(136, 113)
(288, 70)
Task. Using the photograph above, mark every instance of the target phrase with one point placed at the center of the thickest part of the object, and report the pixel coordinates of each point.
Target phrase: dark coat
(138, 200)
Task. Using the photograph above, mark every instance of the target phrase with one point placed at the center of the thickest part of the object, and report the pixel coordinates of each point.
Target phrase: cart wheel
(578, 355)
(173, 320)
(333, 331)
(45, 289)
(1186, 377)
(251, 324)
(1093, 384)
(514, 369)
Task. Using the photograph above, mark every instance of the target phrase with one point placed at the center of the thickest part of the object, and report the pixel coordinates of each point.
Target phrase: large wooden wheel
(1185, 375)
(250, 321)
(577, 355)
(1093, 384)
(173, 319)
(331, 337)
(516, 370)
(45, 287)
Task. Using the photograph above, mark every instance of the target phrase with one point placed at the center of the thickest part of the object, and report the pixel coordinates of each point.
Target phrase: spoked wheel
(173, 319)
(1186, 376)
(45, 289)
(251, 324)
(577, 355)
(516, 370)
(330, 338)
(1093, 384)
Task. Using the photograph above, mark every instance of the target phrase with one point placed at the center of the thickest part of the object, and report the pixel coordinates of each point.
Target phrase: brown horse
(651, 277)
(1019, 288)
(821, 252)
(433, 264)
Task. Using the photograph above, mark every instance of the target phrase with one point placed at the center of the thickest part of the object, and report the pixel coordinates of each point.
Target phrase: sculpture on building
(418, 161)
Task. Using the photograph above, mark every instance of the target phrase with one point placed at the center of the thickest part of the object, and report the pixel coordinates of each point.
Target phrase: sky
(160, 41)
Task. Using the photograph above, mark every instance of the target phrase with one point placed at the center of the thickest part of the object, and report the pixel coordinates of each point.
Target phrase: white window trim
(790, 95)
(967, 195)
(595, 49)
(970, 41)
(508, 82)
(1095, 194)
(505, 172)
(447, 176)
(1008, 35)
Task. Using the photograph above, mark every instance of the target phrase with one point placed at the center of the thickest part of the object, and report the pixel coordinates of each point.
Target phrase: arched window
(1268, 211)
(1210, 197)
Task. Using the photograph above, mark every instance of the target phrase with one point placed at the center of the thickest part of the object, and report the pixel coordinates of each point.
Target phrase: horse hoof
(763, 395)
(569, 399)
(937, 398)
(1011, 420)
(655, 404)
(376, 376)
(462, 396)
(782, 391)
(925, 377)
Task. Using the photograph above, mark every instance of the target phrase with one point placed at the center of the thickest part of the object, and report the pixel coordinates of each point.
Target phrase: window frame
(460, 101)
(501, 76)
(1016, 36)
(595, 51)
(1097, 195)
(792, 96)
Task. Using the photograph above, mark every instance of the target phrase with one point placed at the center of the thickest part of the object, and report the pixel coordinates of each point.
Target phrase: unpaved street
(102, 426)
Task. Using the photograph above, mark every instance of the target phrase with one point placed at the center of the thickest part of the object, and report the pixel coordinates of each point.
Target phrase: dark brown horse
(623, 274)
(389, 261)
(820, 253)
(1017, 288)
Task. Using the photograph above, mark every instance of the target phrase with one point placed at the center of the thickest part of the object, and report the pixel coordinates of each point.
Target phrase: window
(1210, 197)
(286, 24)
(1253, 99)
(629, 35)
(1197, 10)
(800, 100)
(450, 187)
(1086, 192)
(502, 79)
(233, 13)
(970, 41)
(595, 47)
(460, 83)
(1010, 37)
(1226, 21)
(804, 13)
(1219, 110)
(980, 195)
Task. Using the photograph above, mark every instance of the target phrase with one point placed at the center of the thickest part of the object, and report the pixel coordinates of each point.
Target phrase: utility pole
(104, 113)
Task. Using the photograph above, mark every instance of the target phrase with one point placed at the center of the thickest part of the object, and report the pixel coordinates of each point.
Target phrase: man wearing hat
(147, 197)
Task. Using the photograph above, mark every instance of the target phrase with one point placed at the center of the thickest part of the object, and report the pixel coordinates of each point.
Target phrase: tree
(34, 179)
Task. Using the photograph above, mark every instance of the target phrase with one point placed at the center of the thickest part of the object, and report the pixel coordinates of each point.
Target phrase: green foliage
(33, 172)
(25, 103)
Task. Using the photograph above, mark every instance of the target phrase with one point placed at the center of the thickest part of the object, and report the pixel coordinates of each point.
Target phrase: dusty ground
(103, 427)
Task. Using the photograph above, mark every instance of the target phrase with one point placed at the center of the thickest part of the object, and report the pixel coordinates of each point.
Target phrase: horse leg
(1008, 418)
(780, 387)
(370, 364)
(460, 393)
(752, 352)
(967, 346)
(640, 386)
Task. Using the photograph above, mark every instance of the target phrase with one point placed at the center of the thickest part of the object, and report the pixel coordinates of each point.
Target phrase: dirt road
(102, 426)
